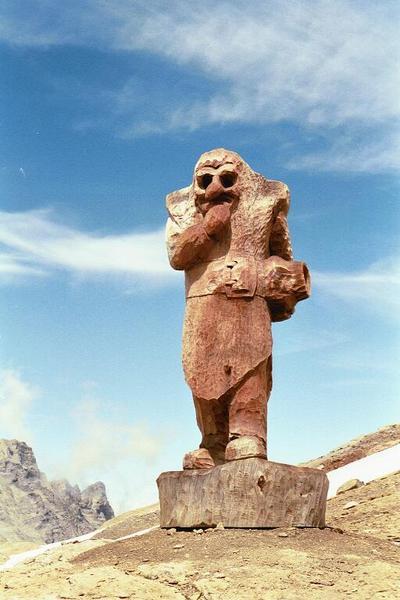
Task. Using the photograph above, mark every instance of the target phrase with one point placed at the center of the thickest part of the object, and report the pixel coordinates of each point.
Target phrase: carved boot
(245, 446)
(198, 459)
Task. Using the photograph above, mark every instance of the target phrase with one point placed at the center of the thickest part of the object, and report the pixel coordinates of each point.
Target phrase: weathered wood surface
(228, 231)
(252, 492)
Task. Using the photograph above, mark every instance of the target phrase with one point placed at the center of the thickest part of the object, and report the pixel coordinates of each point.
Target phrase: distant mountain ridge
(35, 509)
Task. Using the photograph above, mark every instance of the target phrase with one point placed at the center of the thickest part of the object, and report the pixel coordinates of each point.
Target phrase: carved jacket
(227, 330)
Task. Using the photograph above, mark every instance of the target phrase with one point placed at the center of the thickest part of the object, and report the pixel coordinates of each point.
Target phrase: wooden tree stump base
(252, 492)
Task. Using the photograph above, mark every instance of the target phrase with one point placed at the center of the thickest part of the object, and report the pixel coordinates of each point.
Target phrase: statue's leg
(212, 419)
(248, 414)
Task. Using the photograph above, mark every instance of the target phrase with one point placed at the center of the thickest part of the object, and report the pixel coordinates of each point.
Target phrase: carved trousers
(241, 411)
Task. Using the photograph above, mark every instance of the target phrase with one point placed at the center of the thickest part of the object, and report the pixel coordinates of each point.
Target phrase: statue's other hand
(216, 219)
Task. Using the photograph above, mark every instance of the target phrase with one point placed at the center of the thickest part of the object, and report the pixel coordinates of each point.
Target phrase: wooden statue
(228, 232)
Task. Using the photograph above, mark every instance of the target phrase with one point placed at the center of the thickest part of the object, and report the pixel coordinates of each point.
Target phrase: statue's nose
(214, 190)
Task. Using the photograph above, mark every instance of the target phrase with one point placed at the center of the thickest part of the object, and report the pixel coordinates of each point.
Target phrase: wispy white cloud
(102, 446)
(113, 450)
(307, 341)
(16, 397)
(319, 61)
(362, 360)
(104, 440)
(35, 244)
(328, 66)
(349, 153)
(377, 287)
(13, 266)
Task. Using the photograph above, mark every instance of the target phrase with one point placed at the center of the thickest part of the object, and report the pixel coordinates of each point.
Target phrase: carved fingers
(216, 219)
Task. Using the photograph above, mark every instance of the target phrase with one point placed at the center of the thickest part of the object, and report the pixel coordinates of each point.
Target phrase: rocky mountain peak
(35, 509)
(94, 499)
(18, 463)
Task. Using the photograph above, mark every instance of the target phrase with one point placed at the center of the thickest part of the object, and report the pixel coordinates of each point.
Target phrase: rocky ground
(129, 522)
(357, 556)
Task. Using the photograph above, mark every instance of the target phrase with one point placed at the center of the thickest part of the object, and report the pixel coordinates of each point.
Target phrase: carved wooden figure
(228, 232)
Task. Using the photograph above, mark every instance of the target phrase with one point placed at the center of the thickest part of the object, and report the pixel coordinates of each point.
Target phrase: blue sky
(105, 108)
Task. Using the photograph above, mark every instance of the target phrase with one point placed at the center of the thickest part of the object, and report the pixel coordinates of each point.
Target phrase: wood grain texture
(250, 493)
(228, 231)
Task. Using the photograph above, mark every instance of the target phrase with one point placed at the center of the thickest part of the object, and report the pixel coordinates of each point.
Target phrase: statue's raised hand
(216, 219)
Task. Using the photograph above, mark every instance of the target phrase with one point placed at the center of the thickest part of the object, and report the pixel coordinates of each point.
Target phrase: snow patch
(366, 469)
(15, 559)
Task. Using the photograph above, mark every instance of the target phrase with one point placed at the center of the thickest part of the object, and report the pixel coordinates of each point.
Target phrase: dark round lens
(228, 179)
(204, 181)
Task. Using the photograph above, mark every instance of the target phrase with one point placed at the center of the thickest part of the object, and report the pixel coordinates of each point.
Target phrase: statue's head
(219, 177)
